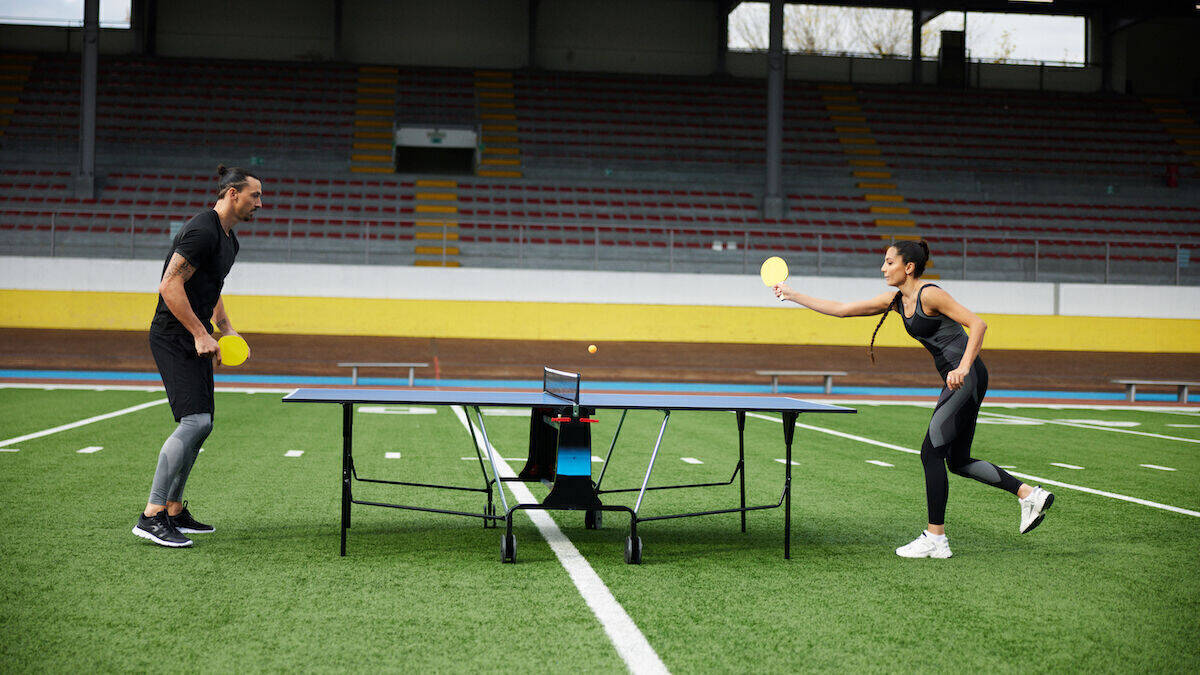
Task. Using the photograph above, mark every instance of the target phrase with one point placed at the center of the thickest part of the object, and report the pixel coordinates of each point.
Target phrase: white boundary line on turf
(930, 401)
(927, 402)
(139, 387)
(1115, 430)
(1102, 493)
(72, 425)
(624, 634)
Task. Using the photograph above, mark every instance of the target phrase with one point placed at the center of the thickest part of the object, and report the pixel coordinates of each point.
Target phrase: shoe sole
(1038, 521)
(161, 542)
(920, 557)
(188, 530)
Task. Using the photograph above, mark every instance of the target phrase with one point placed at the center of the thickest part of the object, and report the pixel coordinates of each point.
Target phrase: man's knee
(199, 424)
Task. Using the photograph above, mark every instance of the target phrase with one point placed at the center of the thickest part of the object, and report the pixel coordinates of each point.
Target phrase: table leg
(347, 434)
(789, 432)
(741, 422)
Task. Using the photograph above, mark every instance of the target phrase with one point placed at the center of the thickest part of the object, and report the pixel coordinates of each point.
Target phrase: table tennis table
(560, 449)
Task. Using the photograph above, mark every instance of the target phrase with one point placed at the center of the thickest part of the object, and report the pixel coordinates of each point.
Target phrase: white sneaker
(924, 546)
(1033, 508)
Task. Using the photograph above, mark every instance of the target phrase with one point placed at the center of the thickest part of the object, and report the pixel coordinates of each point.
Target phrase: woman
(936, 320)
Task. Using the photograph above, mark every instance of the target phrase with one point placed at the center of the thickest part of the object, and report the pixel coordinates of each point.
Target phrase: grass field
(1104, 584)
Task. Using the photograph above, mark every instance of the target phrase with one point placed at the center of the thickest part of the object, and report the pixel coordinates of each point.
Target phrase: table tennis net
(561, 384)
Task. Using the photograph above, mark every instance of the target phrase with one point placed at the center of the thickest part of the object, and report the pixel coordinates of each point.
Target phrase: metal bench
(776, 374)
(355, 366)
(1132, 385)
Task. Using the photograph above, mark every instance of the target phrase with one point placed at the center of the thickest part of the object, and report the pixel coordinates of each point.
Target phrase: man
(184, 350)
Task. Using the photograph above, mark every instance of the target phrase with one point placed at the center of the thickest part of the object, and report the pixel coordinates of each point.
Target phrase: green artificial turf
(1102, 585)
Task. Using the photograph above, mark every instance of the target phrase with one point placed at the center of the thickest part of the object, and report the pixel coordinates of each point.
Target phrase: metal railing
(732, 248)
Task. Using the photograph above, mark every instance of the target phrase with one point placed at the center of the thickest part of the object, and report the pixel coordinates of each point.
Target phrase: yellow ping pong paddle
(774, 270)
(234, 350)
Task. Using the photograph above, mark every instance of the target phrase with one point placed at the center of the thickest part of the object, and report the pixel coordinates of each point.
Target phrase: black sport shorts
(187, 377)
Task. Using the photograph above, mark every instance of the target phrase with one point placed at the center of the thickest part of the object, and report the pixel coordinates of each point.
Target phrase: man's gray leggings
(177, 456)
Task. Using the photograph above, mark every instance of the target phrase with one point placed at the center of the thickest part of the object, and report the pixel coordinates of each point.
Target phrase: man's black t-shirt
(203, 243)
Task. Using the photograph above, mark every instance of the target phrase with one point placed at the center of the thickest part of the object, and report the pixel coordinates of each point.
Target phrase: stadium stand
(610, 171)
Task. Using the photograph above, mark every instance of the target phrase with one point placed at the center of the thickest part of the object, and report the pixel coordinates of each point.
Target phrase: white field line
(1047, 481)
(1190, 410)
(930, 401)
(80, 423)
(225, 388)
(1115, 430)
(1157, 466)
(624, 634)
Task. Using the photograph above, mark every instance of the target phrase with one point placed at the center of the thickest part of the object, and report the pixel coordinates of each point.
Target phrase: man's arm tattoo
(180, 267)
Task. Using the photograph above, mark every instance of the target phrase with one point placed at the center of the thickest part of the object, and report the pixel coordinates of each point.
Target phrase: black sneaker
(184, 522)
(160, 530)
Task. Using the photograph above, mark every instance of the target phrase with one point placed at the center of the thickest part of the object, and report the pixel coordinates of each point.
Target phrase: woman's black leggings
(948, 443)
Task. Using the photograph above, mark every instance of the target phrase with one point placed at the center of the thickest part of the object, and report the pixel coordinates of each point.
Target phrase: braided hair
(915, 252)
(231, 178)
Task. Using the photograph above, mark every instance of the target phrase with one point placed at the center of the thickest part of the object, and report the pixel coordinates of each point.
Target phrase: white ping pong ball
(591, 349)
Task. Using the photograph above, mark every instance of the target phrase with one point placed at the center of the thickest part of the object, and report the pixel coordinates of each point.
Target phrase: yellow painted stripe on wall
(573, 321)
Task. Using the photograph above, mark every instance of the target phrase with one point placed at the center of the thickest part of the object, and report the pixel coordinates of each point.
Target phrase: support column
(85, 175)
(773, 202)
(338, 17)
(531, 59)
(917, 24)
(723, 9)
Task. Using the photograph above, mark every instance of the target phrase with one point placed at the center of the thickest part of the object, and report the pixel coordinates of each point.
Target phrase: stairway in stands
(868, 166)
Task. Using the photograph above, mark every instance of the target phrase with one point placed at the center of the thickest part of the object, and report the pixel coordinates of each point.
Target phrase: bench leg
(410, 376)
(354, 375)
(1183, 393)
(1131, 392)
(774, 384)
(828, 384)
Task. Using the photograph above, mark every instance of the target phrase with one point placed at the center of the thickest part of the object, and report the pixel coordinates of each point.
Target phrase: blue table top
(524, 399)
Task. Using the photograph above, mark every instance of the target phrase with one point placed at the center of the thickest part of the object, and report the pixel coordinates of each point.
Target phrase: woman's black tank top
(942, 336)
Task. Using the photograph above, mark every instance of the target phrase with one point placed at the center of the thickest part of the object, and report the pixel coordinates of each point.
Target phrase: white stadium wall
(458, 33)
(357, 300)
(54, 39)
(677, 37)
(234, 29)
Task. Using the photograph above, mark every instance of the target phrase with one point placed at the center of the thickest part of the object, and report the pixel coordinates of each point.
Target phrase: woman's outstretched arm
(876, 305)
